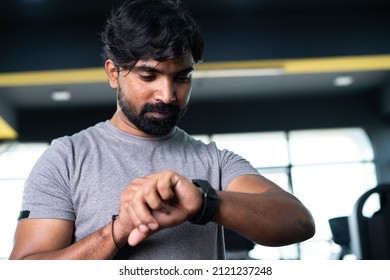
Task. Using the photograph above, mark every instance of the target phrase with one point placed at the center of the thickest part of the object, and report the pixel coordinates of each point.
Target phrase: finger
(129, 190)
(152, 195)
(165, 186)
(138, 181)
(136, 236)
(162, 182)
(140, 213)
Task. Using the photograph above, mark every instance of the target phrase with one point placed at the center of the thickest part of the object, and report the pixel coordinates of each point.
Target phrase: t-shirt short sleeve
(46, 191)
(232, 166)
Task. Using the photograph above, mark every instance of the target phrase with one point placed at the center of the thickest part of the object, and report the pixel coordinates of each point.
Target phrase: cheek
(132, 92)
(187, 98)
(140, 90)
(183, 97)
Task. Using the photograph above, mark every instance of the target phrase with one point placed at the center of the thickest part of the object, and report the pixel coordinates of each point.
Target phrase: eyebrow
(144, 68)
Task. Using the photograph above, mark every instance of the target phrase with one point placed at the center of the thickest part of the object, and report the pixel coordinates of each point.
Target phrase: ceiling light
(343, 81)
(61, 95)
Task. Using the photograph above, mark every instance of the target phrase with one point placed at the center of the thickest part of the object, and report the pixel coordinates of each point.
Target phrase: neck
(122, 123)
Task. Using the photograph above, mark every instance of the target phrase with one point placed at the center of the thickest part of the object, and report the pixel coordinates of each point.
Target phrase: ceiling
(53, 46)
(28, 11)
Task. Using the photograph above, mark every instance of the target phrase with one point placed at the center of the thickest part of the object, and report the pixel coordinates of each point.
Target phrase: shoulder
(181, 136)
(87, 134)
(205, 147)
(66, 146)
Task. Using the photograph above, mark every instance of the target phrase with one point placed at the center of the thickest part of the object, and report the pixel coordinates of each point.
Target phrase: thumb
(136, 236)
(140, 233)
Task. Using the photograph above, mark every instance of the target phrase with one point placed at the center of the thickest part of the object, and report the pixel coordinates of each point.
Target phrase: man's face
(154, 95)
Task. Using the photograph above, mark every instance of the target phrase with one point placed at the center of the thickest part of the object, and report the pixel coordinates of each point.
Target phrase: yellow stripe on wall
(307, 65)
(338, 64)
(286, 66)
(6, 131)
(70, 76)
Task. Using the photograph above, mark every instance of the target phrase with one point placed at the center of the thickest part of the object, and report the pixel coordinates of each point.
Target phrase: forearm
(97, 246)
(267, 218)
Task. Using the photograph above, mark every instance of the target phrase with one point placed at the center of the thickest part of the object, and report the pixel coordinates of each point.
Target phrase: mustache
(162, 108)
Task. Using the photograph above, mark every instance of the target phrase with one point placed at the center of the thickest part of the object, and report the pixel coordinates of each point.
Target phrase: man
(138, 187)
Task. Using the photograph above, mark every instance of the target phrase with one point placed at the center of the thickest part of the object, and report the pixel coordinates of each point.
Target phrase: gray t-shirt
(81, 178)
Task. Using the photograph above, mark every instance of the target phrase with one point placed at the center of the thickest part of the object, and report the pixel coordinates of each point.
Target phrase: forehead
(170, 65)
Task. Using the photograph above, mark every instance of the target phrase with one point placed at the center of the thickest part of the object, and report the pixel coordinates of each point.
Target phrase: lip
(157, 115)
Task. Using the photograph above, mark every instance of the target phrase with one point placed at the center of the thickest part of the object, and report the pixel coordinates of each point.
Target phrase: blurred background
(300, 88)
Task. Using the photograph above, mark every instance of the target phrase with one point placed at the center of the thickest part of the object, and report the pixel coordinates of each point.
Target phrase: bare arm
(263, 212)
(252, 206)
(51, 239)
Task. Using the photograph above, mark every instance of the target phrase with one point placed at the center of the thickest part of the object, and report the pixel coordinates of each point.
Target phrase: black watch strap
(210, 203)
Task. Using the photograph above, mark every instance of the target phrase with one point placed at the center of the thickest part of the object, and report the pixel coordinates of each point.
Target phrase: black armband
(210, 203)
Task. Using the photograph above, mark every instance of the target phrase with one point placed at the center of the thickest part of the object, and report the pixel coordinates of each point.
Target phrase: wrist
(119, 239)
(209, 204)
(113, 235)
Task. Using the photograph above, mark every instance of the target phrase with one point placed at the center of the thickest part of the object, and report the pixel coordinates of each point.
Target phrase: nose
(166, 92)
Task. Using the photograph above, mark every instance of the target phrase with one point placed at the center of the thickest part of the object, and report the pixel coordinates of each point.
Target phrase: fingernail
(153, 226)
(143, 229)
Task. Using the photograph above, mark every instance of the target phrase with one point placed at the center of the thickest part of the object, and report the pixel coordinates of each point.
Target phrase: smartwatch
(210, 203)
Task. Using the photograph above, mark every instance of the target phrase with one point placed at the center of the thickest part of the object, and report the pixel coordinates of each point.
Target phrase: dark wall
(40, 46)
(46, 124)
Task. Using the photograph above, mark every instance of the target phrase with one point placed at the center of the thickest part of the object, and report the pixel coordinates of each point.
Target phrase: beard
(150, 125)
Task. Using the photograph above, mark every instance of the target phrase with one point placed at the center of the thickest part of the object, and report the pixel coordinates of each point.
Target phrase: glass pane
(330, 145)
(260, 149)
(202, 137)
(330, 191)
(16, 160)
(260, 252)
(280, 177)
(277, 175)
(10, 200)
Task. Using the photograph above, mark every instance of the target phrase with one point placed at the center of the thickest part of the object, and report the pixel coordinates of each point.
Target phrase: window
(16, 161)
(268, 152)
(326, 169)
(330, 169)
(329, 146)
(266, 149)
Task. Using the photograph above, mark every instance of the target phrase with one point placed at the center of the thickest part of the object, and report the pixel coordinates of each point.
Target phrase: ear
(112, 73)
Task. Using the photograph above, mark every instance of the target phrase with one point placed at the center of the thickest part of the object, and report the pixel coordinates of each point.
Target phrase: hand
(158, 201)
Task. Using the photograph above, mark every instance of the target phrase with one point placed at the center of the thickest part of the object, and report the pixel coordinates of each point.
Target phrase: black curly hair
(150, 29)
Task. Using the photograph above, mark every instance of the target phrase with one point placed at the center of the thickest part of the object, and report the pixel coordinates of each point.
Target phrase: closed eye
(184, 78)
(147, 77)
